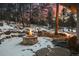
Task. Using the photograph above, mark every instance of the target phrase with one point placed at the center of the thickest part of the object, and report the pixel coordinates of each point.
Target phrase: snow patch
(11, 47)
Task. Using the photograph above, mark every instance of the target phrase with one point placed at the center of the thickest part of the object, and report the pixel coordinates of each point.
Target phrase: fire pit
(29, 39)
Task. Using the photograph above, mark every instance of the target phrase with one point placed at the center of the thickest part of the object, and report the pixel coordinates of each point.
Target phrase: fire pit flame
(30, 32)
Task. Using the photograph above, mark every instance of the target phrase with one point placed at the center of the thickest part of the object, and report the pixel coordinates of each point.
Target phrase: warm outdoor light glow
(73, 9)
(30, 32)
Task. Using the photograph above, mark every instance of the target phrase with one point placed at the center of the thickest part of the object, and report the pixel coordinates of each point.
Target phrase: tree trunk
(57, 13)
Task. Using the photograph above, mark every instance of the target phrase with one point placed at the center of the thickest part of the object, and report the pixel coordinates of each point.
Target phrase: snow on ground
(5, 27)
(11, 47)
(65, 29)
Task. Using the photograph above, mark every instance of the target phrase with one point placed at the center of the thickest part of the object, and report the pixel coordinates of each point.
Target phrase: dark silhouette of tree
(50, 16)
(71, 23)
